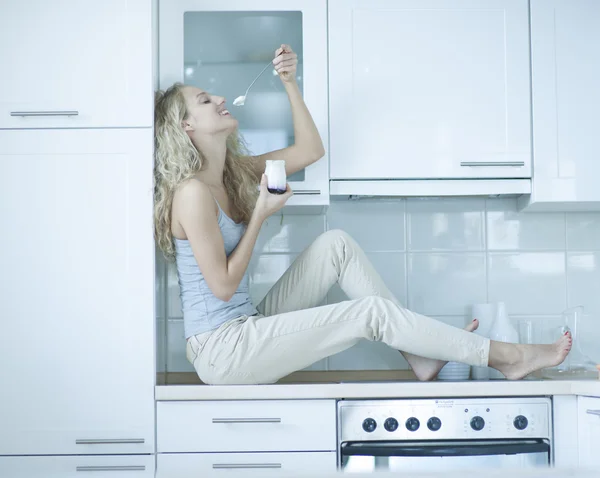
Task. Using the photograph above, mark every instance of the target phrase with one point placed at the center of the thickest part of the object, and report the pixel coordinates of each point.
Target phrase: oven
(449, 434)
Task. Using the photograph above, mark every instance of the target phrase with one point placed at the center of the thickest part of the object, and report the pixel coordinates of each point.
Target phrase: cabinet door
(589, 431)
(429, 89)
(75, 63)
(130, 466)
(566, 99)
(77, 262)
(222, 45)
(201, 465)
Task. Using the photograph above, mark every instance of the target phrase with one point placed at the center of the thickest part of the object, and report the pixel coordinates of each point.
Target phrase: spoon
(240, 100)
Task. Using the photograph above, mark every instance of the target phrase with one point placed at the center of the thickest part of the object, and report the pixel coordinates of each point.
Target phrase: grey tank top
(202, 311)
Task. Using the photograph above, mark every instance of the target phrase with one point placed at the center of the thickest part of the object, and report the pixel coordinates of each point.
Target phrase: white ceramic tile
(367, 355)
(265, 272)
(583, 281)
(161, 345)
(445, 284)
(445, 224)
(391, 266)
(511, 230)
(529, 283)
(289, 233)
(583, 231)
(160, 271)
(173, 299)
(176, 360)
(377, 225)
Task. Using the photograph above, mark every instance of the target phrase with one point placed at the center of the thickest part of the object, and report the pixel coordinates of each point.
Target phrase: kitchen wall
(438, 256)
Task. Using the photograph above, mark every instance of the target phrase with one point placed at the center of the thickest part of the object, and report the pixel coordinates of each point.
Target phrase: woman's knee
(374, 312)
(336, 239)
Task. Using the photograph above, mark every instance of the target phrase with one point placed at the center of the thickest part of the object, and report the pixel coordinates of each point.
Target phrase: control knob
(434, 424)
(521, 422)
(412, 424)
(369, 425)
(477, 423)
(391, 424)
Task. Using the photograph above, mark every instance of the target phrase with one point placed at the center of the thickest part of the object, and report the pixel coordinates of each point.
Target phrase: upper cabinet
(565, 35)
(77, 64)
(222, 45)
(428, 89)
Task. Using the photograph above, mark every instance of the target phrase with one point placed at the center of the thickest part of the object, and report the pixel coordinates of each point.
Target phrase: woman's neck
(214, 152)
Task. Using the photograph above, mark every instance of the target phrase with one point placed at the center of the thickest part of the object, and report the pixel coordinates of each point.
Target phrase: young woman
(208, 214)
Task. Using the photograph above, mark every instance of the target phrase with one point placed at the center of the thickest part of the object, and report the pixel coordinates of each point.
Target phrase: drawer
(203, 465)
(107, 466)
(246, 426)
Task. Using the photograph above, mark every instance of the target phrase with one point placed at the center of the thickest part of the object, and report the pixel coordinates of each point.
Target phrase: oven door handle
(416, 449)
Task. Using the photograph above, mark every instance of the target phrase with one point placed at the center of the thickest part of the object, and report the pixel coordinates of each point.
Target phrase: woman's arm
(308, 146)
(196, 214)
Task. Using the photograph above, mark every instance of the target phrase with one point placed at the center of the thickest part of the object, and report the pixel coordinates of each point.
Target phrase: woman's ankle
(502, 353)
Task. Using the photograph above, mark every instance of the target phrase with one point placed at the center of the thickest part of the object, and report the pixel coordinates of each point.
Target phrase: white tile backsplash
(445, 284)
(509, 230)
(583, 231)
(377, 226)
(583, 280)
(528, 282)
(437, 257)
(451, 225)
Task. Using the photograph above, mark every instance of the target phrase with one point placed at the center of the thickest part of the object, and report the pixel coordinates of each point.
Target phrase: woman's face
(207, 114)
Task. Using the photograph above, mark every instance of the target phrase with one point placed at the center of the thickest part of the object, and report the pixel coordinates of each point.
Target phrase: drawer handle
(112, 468)
(241, 466)
(492, 164)
(307, 192)
(594, 412)
(246, 420)
(44, 113)
(109, 441)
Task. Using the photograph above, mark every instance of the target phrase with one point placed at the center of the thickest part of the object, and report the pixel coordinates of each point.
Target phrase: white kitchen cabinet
(132, 466)
(428, 89)
(222, 45)
(588, 424)
(244, 464)
(566, 99)
(246, 426)
(77, 261)
(76, 64)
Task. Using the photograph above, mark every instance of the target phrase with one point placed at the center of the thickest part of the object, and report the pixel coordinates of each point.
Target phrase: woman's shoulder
(194, 195)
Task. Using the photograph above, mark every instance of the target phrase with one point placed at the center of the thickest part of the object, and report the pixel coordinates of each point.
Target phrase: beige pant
(292, 332)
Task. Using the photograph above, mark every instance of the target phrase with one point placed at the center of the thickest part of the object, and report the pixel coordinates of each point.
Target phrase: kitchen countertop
(387, 389)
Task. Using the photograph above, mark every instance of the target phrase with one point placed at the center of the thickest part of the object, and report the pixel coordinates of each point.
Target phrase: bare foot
(516, 361)
(427, 369)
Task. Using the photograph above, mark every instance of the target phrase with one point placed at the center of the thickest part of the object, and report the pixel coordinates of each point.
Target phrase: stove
(461, 433)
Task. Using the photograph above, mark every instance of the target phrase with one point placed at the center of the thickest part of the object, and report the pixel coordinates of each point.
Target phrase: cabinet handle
(307, 192)
(109, 441)
(493, 164)
(239, 466)
(44, 113)
(594, 412)
(112, 468)
(246, 420)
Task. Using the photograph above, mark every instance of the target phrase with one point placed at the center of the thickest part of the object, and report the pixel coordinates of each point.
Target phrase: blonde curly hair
(176, 160)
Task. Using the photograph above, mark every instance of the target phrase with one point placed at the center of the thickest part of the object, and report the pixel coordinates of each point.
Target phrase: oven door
(443, 455)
